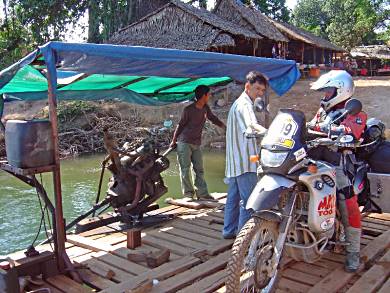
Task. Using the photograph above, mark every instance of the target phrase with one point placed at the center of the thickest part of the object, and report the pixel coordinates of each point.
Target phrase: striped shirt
(238, 147)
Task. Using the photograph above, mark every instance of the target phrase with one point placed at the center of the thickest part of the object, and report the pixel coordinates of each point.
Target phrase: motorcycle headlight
(272, 159)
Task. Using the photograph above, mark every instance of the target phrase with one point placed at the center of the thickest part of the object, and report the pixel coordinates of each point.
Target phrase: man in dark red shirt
(188, 138)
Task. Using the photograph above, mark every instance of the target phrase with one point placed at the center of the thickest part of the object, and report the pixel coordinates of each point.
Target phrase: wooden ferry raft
(198, 257)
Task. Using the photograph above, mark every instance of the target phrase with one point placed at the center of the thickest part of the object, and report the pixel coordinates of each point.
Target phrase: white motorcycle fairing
(266, 193)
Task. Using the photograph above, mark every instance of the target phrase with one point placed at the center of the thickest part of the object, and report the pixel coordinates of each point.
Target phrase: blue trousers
(240, 188)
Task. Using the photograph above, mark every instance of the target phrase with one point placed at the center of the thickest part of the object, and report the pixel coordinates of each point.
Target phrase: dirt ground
(373, 92)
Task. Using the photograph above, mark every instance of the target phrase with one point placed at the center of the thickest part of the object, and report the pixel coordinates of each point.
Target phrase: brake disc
(264, 267)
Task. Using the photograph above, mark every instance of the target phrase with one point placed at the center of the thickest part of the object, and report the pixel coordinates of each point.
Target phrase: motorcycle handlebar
(254, 135)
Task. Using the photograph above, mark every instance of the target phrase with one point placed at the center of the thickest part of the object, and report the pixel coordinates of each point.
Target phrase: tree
(45, 20)
(110, 15)
(15, 41)
(309, 15)
(275, 9)
(347, 23)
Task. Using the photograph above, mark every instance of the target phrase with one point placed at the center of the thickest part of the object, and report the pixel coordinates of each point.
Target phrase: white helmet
(341, 81)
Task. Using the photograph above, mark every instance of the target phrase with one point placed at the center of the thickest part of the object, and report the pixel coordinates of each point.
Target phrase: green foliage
(347, 23)
(67, 111)
(384, 37)
(46, 20)
(276, 9)
(15, 41)
(309, 16)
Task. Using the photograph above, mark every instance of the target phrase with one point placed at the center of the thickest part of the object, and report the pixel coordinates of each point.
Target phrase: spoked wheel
(250, 266)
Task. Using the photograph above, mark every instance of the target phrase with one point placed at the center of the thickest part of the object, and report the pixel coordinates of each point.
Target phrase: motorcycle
(293, 205)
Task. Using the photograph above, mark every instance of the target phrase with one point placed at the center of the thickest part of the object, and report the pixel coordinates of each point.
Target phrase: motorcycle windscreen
(284, 144)
(286, 131)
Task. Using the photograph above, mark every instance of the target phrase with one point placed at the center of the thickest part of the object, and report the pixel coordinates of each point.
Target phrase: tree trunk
(131, 11)
(93, 21)
(203, 4)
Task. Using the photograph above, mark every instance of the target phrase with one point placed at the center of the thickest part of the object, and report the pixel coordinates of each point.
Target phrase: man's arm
(182, 123)
(250, 120)
(214, 119)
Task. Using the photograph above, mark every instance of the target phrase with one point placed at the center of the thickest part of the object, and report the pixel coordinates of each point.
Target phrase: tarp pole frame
(59, 239)
(2, 128)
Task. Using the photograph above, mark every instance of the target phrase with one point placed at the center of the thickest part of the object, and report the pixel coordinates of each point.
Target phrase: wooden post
(59, 224)
(314, 55)
(133, 238)
(255, 45)
(266, 113)
(303, 52)
(370, 67)
(323, 56)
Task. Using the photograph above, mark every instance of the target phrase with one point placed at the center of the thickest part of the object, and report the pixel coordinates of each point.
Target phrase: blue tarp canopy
(142, 75)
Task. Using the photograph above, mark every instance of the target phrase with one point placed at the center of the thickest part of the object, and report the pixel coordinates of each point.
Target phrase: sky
(291, 3)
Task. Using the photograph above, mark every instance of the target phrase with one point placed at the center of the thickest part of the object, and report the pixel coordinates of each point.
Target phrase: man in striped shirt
(240, 171)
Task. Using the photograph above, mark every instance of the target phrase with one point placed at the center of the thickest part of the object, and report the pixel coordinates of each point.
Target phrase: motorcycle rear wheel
(251, 253)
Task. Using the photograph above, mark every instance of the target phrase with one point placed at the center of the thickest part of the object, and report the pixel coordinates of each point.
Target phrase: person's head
(337, 86)
(202, 92)
(255, 85)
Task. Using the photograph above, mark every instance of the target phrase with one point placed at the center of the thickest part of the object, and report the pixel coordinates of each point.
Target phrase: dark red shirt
(192, 122)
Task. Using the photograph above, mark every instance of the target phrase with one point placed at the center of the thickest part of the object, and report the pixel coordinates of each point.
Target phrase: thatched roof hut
(305, 47)
(182, 26)
(371, 52)
(248, 17)
(295, 33)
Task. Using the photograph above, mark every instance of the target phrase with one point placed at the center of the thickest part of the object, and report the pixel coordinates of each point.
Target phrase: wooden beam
(93, 245)
(374, 277)
(186, 278)
(338, 278)
(161, 273)
(207, 284)
(59, 225)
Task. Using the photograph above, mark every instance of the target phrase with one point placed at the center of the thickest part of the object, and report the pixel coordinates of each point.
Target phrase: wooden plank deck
(199, 256)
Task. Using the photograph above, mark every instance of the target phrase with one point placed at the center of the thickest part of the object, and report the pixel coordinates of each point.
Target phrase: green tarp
(30, 84)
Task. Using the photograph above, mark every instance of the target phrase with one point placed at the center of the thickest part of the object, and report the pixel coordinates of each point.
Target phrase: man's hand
(173, 144)
(259, 129)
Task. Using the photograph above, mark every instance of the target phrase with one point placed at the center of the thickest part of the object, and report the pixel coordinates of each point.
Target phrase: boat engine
(136, 183)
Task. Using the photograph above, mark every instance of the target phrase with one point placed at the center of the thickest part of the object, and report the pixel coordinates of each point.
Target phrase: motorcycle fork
(284, 226)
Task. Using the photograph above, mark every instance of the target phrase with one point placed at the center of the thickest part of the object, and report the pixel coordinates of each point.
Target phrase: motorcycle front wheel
(250, 268)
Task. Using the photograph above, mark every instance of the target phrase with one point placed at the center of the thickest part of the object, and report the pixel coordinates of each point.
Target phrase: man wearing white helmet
(338, 88)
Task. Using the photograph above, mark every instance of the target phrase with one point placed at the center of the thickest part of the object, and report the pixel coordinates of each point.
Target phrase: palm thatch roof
(299, 34)
(182, 26)
(372, 52)
(248, 17)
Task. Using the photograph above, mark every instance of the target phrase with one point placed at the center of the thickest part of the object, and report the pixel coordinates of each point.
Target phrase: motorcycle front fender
(266, 193)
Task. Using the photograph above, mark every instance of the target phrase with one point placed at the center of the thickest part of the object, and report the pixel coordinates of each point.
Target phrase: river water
(19, 206)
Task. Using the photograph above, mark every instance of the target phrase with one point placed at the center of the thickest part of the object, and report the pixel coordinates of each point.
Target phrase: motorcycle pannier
(380, 159)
